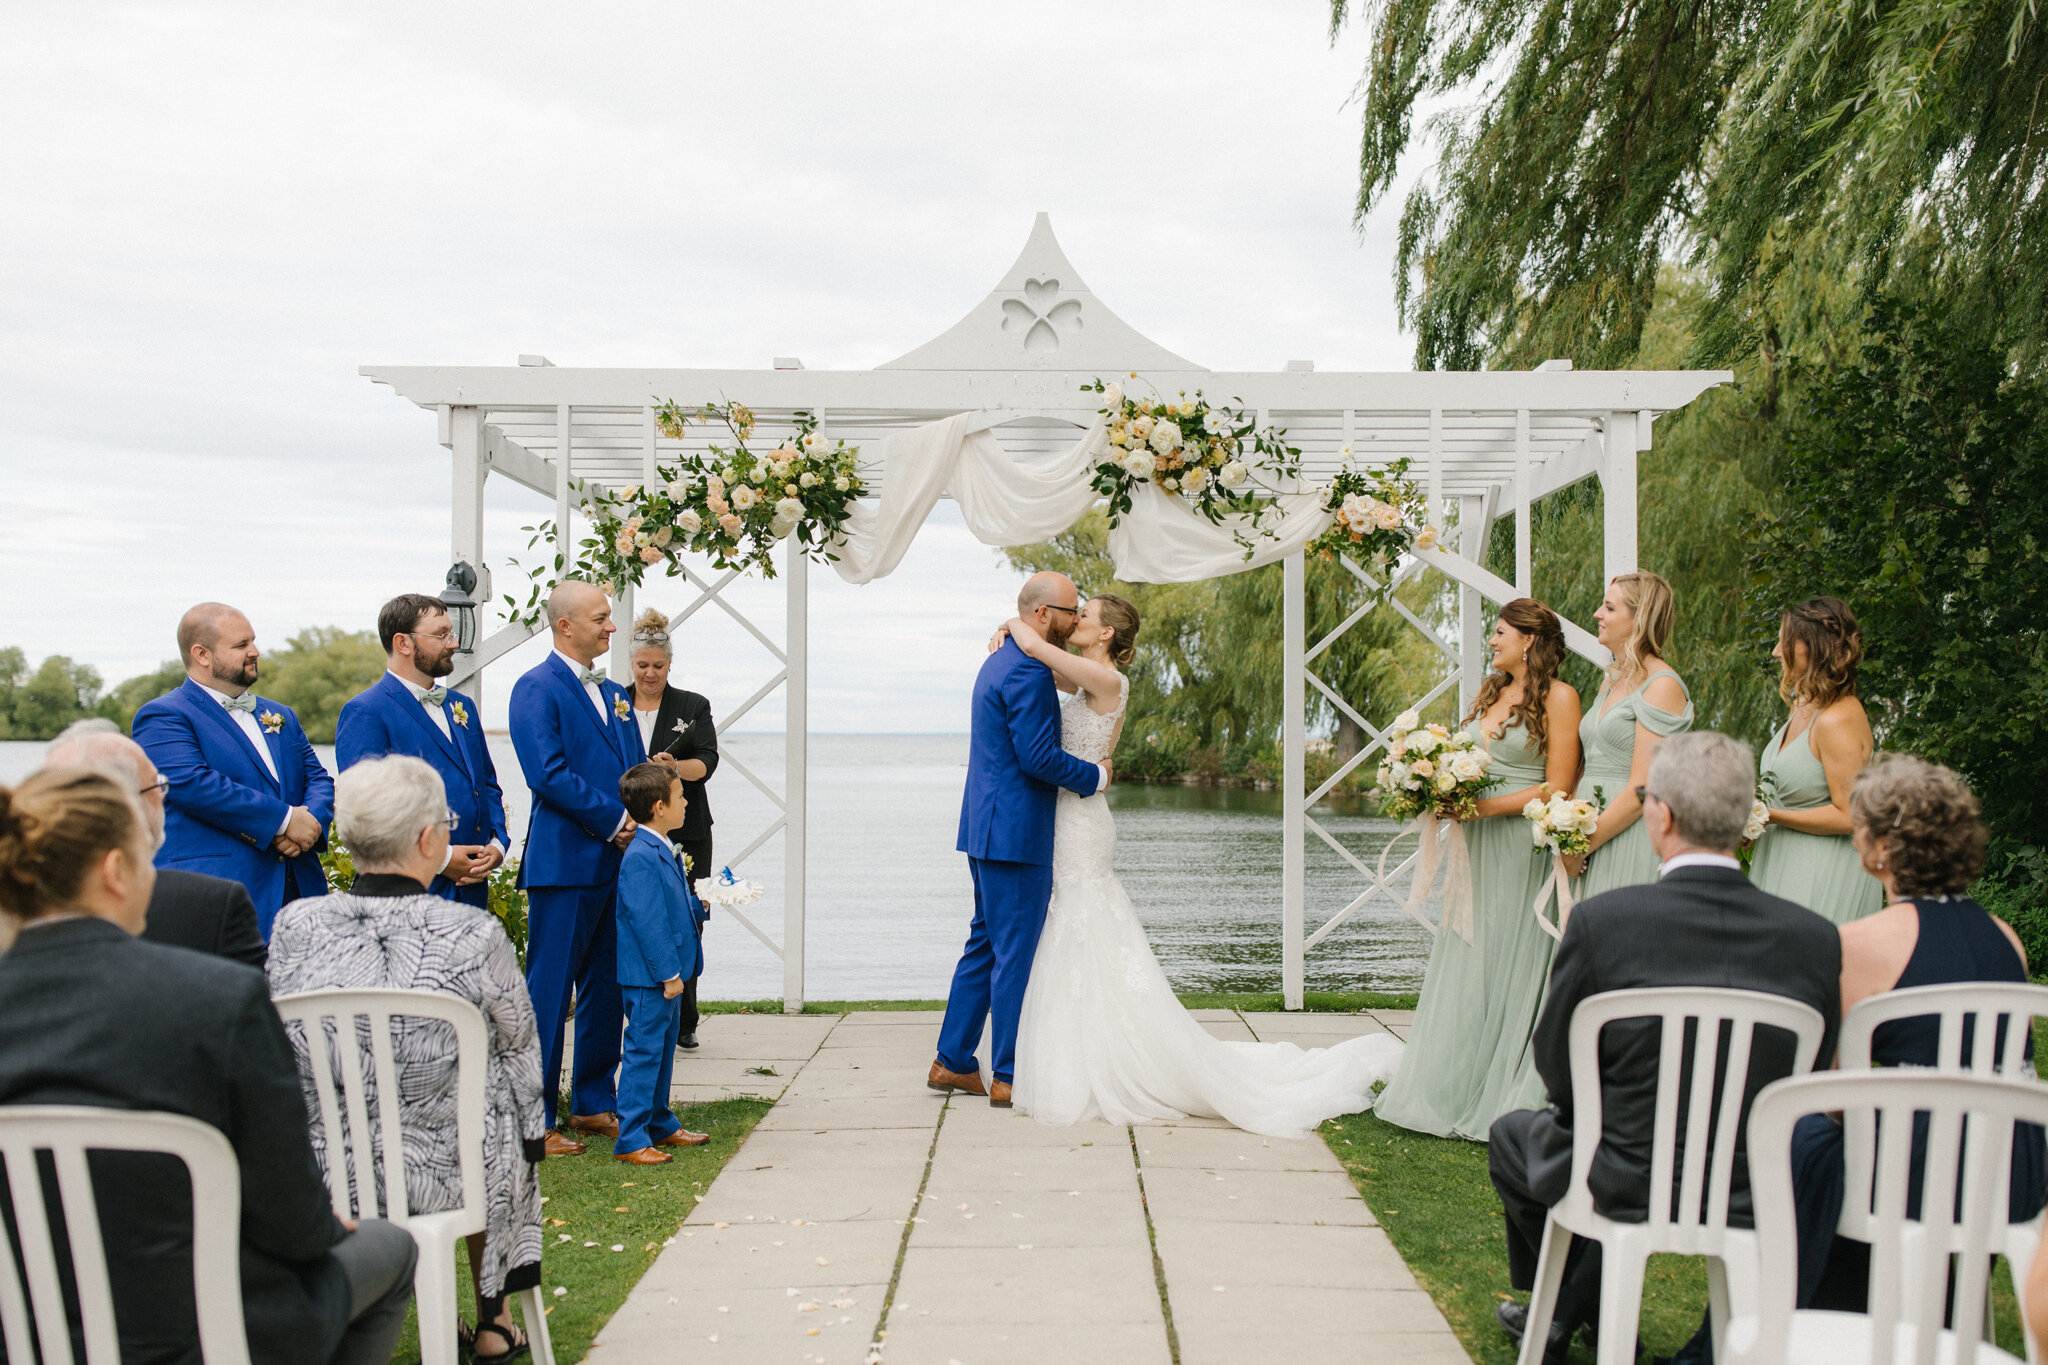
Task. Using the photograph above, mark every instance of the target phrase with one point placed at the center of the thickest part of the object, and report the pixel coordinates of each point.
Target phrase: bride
(1102, 1035)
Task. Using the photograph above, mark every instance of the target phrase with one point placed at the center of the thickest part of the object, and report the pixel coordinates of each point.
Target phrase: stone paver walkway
(870, 1219)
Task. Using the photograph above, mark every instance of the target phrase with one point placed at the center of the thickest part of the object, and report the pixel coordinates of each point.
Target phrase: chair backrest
(311, 1009)
(67, 1133)
(1962, 1209)
(1994, 1006)
(1700, 1221)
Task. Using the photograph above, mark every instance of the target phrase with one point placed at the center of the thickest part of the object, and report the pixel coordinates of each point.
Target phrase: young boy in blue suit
(657, 957)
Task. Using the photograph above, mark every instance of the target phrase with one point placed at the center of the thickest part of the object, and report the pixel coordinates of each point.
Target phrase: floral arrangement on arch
(1376, 514)
(1212, 456)
(732, 503)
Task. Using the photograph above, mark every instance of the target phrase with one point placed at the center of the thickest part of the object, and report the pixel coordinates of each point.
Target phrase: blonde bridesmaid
(1643, 701)
(1811, 763)
(1468, 1059)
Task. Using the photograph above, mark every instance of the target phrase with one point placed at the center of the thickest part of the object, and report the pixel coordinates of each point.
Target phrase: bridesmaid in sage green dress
(1641, 702)
(1468, 1059)
(1804, 853)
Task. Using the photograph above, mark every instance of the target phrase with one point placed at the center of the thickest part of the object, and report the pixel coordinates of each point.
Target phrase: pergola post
(795, 727)
(1294, 783)
(1622, 434)
(1472, 529)
(463, 433)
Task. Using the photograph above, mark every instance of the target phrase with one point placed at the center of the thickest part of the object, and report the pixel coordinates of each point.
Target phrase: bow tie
(434, 696)
(593, 676)
(245, 702)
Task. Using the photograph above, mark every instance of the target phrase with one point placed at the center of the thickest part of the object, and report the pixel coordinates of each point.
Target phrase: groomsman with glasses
(575, 734)
(248, 799)
(408, 711)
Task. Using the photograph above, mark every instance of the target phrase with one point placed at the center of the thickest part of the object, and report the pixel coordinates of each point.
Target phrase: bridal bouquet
(1212, 456)
(1563, 823)
(1431, 770)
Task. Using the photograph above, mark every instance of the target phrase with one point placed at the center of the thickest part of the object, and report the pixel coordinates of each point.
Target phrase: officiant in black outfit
(677, 723)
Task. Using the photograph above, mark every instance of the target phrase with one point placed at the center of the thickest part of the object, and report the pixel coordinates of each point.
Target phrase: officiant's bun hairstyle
(650, 631)
(1121, 617)
(54, 827)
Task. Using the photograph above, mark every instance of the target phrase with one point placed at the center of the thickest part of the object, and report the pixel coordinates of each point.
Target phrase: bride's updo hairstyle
(54, 828)
(1543, 654)
(1121, 617)
(650, 631)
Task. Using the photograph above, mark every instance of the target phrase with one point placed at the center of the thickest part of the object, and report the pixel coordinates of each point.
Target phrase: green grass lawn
(594, 1200)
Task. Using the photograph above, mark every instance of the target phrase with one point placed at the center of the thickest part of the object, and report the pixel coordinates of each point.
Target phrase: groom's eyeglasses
(1071, 611)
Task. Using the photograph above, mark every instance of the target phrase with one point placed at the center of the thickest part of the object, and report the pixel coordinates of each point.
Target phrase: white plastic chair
(2012, 1005)
(67, 1133)
(1911, 1262)
(1701, 1225)
(436, 1233)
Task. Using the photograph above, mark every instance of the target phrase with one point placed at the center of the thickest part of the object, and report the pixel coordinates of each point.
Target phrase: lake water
(889, 899)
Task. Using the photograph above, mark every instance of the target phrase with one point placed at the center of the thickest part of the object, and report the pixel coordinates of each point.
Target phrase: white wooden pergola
(1485, 444)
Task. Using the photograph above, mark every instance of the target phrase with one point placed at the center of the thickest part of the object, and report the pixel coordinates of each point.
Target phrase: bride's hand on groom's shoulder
(995, 641)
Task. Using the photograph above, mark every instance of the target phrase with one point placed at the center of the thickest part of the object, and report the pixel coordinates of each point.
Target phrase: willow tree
(1581, 144)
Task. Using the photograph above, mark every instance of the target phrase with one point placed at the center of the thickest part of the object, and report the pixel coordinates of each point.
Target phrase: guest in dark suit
(573, 728)
(248, 797)
(678, 723)
(187, 909)
(1701, 924)
(407, 711)
(91, 1016)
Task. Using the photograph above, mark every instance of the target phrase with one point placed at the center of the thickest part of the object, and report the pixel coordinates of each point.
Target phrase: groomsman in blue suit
(407, 711)
(1015, 768)
(575, 734)
(248, 799)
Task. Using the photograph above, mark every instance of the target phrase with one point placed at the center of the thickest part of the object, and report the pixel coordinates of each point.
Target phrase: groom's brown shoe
(945, 1081)
(999, 1095)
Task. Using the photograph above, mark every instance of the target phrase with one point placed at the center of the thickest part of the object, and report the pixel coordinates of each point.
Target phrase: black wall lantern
(455, 595)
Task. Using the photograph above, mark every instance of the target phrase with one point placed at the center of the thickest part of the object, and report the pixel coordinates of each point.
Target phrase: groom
(1015, 767)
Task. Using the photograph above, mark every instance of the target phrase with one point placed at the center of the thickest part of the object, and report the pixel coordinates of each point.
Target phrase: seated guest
(187, 909)
(1700, 924)
(388, 932)
(91, 1016)
(1915, 826)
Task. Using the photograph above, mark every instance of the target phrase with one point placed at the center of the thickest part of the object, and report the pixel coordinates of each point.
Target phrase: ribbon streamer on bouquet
(1559, 885)
(1449, 852)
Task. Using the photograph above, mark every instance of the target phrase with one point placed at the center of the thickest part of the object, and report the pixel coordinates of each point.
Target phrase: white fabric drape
(1008, 502)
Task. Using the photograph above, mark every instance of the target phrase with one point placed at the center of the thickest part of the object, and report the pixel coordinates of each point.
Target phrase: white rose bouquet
(1563, 823)
(1431, 770)
(1205, 453)
(1759, 817)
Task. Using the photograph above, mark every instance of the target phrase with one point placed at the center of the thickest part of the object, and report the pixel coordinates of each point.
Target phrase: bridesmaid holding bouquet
(1641, 702)
(1468, 1059)
(1809, 766)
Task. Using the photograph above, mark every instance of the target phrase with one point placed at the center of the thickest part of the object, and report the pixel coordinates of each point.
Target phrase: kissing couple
(1082, 1021)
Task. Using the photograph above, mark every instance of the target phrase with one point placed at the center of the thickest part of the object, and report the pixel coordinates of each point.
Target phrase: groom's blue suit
(1015, 767)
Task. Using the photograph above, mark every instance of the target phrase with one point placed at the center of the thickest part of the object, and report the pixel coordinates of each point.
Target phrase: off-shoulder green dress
(1468, 1059)
(1819, 871)
(1608, 739)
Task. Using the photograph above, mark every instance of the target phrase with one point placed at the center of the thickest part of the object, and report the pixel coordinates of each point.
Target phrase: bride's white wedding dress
(1102, 1035)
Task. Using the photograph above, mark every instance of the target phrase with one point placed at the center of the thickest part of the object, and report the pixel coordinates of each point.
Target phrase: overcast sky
(214, 213)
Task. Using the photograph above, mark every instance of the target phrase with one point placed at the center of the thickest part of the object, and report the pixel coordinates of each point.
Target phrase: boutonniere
(622, 708)
(460, 713)
(680, 726)
(272, 722)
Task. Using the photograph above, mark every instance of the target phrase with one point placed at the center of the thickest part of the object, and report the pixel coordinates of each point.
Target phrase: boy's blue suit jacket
(573, 762)
(657, 915)
(223, 807)
(387, 719)
(1015, 765)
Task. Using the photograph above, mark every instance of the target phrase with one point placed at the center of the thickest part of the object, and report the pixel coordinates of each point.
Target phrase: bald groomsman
(248, 799)
(576, 737)
(408, 711)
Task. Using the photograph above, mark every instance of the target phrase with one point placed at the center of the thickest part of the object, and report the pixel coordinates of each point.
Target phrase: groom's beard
(1058, 631)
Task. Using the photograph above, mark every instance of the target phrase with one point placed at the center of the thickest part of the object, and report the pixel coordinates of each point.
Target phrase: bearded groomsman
(248, 798)
(407, 711)
(574, 731)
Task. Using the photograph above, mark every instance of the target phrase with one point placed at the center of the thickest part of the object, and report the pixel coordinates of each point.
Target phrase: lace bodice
(1089, 736)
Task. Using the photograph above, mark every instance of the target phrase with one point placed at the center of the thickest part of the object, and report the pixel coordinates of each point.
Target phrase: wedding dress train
(1102, 1035)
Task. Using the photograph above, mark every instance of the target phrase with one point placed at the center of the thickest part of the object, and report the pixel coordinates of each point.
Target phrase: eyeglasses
(444, 635)
(162, 784)
(1071, 611)
(454, 822)
(1643, 793)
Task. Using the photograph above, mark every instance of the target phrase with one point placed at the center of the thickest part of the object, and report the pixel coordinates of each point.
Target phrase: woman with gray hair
(387, 932)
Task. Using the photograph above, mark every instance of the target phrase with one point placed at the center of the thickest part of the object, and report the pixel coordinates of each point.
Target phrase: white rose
(808, 481)
(664, 536)
(1165, 438)
(679, 490)
(840, 483)
(1141, 426)
(1139, 465)
(1232, 474)
(816, 443)
(1467, 768)
(1113, 397)
(789, 509)
(1170, 484)
(760, 474)
(688, 522)
(1216, 422)
(1539, 836)
(744, 497)
(1535, 810)
(1193, 480)
(1445, 782)
(1405, 722)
